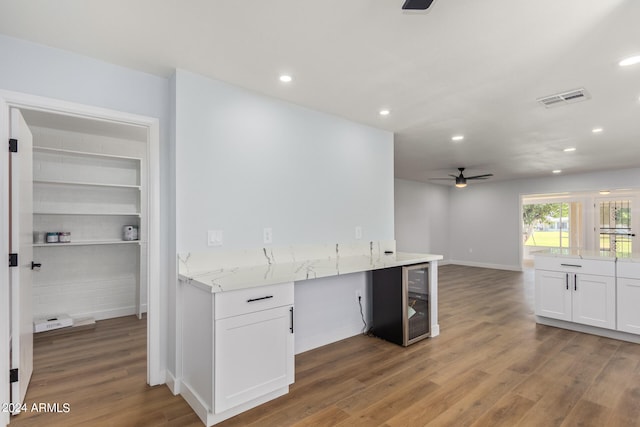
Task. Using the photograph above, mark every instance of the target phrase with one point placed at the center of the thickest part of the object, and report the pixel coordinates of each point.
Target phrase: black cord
(364, 328)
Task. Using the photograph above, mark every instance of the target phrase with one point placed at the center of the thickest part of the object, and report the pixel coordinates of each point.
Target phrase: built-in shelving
(136, 214)
(88, 243)
(84, 184)
(92, 189)
(41, 149)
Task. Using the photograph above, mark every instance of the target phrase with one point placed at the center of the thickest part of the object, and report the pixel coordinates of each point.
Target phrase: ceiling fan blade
(453, 176)
(417, 4)
(440, 179)
(485, 176)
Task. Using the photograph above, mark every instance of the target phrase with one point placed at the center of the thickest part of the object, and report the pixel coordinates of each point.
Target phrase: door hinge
(13, 260)
(13, 145)
(13, 375)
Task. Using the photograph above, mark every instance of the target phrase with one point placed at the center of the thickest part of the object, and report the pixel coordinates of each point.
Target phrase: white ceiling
(463, 67)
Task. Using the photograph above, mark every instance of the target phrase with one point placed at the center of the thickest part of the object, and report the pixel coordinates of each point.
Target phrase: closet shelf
(85, 184)
(90, 213)
(89, 243)
(81, 153)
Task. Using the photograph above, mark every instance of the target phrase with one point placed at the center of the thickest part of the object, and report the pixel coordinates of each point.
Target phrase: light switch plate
(267, 235)
(214, 237)
(358, 232)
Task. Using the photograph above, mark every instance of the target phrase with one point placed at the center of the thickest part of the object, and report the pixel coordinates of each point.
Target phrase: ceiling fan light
(461, 184)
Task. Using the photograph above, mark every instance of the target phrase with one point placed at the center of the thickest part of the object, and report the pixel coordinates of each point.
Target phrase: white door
(253, 356)
(21, 240)
(617, 224)
(553, 294)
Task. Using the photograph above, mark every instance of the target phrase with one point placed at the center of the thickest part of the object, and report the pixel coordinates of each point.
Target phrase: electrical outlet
(267, 235)
(358, 232)
(214, 237)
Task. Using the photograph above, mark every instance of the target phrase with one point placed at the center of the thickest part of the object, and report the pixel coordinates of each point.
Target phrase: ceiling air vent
(564, 98)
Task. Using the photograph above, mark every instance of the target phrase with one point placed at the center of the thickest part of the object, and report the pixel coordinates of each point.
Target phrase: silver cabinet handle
(566, 280)
(575, 282)
(571, 265)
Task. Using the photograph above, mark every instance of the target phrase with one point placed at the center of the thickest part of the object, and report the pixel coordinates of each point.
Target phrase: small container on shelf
(130, 232)
(52, 237)
(64, 237)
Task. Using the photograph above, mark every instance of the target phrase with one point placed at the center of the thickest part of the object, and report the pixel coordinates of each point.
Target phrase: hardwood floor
(491, 366)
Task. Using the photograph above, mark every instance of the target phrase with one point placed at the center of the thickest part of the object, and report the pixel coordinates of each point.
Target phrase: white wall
(54, 73)
(245, 162)
(485, 217)
(422, 217)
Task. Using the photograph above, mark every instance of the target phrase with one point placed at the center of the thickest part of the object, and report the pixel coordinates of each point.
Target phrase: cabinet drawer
(576, 265)
(234, 303)
(629, 269)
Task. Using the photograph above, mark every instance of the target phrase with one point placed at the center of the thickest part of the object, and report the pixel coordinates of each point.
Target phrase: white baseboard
(435, 331)
(172, 383)
(209, 418)
(485, 265)
(107, 314)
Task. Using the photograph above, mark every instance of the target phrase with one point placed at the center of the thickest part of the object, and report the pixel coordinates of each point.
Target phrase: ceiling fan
(461, 180)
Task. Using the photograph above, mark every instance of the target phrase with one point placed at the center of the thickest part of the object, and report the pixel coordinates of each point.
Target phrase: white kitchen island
(237, 317)
(589, 291)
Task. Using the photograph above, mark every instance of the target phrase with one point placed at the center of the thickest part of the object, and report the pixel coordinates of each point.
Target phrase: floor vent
(564, 98)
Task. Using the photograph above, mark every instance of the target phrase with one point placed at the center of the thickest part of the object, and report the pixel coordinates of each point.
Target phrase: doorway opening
(88, 213)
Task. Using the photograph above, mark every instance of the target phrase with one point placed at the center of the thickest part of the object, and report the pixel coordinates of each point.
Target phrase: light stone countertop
(247, 276)
(577, 254)
(629, 257)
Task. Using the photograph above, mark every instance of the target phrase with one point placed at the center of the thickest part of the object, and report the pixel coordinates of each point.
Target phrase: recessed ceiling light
(384, 112)
(557, 171)
(632, 60)
(569, 149)
(457, 138)
(605, 192)
(285, 78)
(597, 130)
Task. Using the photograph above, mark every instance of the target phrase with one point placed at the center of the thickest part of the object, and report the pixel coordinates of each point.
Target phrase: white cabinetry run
(237, 349)
(628, 284)
(576, 290)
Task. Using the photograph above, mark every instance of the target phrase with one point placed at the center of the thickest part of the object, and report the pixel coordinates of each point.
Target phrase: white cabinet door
(629, 305)
(594, 300)
(553, 294)
(253, 356)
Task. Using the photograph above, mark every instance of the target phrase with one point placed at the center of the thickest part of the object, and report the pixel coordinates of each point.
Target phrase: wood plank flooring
(491, 366)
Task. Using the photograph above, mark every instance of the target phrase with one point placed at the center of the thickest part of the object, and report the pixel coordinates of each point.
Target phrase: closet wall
(91, 186)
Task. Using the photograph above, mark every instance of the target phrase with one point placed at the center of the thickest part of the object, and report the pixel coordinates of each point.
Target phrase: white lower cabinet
(237, 348)
(567, 291)
(629, 297)
(254, 356)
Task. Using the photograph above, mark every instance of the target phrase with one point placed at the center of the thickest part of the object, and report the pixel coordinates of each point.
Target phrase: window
(552, 225)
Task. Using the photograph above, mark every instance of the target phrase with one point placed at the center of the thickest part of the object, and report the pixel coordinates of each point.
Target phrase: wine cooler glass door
(416, 302)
